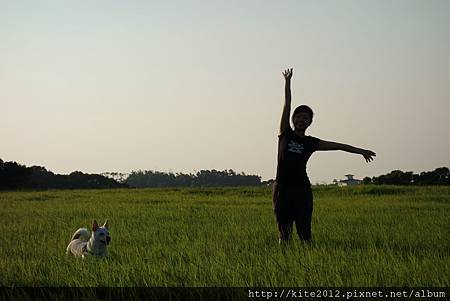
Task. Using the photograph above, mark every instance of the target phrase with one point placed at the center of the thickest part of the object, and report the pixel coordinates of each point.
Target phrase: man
(293, 198)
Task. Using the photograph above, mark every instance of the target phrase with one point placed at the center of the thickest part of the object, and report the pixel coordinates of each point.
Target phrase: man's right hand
(287, 74)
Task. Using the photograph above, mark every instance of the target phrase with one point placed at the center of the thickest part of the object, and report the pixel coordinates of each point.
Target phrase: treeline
(439, 176)
(203, 178)
(17, 176)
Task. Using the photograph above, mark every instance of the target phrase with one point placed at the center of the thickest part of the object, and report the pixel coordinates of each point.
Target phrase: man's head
(302, 117)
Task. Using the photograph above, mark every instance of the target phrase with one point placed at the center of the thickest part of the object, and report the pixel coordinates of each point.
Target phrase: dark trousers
(293, 206)
(302, 221)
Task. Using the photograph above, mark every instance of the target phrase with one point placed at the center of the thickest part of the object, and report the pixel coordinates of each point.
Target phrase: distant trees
(16, 176)
(13, 175)
(203, 178)
(150, 178)
(439, 176)
(366, 180)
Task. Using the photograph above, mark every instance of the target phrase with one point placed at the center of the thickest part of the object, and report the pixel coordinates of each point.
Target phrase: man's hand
(368, 155)
(287, 74)
(287, 101)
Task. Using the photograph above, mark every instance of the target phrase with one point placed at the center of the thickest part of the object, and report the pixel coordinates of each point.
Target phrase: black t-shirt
(293, 154)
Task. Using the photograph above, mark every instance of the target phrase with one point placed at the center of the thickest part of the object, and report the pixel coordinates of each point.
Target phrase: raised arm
(328, 145)
(287, 101)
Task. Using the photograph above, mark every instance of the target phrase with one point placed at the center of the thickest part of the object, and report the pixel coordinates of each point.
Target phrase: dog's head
(101, 234)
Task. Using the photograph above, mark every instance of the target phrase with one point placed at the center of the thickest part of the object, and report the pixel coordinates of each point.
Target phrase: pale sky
(181, 86)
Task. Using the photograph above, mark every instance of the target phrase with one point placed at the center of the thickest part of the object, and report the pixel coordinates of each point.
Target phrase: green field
(364, 236)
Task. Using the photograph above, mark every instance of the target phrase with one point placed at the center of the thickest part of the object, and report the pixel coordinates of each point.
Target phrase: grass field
(364, 236)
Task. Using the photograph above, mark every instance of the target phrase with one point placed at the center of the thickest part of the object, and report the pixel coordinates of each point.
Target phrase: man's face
(301, 121)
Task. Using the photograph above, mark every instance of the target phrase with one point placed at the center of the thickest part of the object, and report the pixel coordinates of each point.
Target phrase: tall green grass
(364, 236)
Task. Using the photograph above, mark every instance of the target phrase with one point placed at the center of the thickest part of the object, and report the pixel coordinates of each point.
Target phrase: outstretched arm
(328, 145)
(287, 101)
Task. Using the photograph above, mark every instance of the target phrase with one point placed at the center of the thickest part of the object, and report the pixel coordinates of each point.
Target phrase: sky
(181, 86)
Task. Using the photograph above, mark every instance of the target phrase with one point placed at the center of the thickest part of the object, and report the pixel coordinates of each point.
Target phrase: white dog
(81, 245)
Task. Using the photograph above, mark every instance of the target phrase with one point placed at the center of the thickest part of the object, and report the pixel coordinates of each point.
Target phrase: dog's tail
(81, 233)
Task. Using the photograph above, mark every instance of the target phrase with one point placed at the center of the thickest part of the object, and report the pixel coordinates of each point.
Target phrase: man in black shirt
(292, 195)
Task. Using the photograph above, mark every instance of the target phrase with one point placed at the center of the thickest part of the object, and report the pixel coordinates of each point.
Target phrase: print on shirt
(295, 147)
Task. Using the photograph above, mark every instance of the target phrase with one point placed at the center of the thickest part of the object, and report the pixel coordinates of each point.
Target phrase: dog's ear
(94, 225)
(106, 225)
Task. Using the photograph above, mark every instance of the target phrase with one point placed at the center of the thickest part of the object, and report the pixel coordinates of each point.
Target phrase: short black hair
(303, 108)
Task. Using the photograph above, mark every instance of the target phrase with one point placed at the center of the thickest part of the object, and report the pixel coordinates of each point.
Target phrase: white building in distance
(350, 181)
